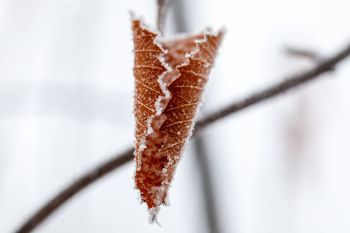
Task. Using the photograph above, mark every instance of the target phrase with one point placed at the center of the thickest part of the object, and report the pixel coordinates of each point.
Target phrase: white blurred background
(66, 88)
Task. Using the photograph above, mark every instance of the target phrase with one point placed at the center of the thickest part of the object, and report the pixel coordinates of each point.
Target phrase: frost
(153, 215)
(166, 200)
(142, 146)
(158, 105)
(138, 197)
(149, 126)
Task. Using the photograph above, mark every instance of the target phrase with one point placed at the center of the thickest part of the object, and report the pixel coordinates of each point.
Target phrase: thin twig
(120, 159)
(303, 53)
(163, 6)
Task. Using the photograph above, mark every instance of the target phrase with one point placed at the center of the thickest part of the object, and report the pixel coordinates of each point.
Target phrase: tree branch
(303, 53)
(122, 158)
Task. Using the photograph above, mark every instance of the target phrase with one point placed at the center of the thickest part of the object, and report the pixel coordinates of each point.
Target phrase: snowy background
(66, 88)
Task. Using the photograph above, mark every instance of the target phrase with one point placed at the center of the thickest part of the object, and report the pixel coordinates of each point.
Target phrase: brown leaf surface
(169, 78)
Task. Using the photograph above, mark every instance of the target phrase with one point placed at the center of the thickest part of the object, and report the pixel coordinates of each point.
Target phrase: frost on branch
(170, 77)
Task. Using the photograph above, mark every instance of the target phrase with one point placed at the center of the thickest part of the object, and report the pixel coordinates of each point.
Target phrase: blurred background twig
(162, 9)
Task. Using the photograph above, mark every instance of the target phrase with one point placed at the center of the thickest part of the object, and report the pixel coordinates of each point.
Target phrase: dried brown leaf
(169, 78)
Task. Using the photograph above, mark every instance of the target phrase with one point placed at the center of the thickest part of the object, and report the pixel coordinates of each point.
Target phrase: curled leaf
(170, 77)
